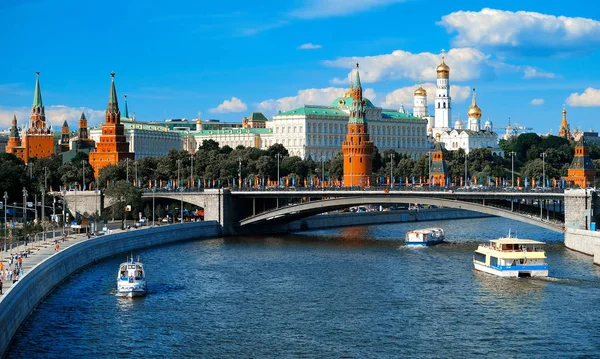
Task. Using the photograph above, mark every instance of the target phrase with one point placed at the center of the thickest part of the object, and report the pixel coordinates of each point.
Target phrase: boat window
(493, 262)
(479, 257)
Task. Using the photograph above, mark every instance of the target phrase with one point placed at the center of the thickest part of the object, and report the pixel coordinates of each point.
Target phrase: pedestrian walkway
(38, 253)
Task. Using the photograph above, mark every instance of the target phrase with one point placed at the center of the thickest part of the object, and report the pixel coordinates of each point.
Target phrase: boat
(131, 279)
(425, 237)
(511, 257)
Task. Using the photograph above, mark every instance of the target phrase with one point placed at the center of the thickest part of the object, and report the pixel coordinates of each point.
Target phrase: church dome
(458, 124)
(420, 91)
(488, 123)
(474, 110)
(442, 70)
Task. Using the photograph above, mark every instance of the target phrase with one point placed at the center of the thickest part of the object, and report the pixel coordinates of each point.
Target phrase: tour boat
(425, 237)
(511, 257)
(131, 279)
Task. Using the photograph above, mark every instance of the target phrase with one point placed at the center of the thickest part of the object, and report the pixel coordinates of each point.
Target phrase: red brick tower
(64, 137)
(38, 140)
(439, 169)
(582, 172)
(358, 148)
(113, 146)
(14, 140)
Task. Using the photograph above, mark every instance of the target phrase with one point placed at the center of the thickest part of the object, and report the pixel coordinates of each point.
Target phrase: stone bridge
(247, 210)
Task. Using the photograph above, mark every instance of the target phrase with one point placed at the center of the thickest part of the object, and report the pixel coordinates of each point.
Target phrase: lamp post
(64, 219)
(239, 172)
(44, 203)
(53, 215)
(192, 171)
(5, 224)
(24, 202)
(512, 169)
(179, 189)
(127, 169)
(429, 168)
(83, 175)
(391, 170)
(153, 205)
(278, 178)
(323, 170)
(96, 214)
(466, 156)
(136, 175)
(544, 169)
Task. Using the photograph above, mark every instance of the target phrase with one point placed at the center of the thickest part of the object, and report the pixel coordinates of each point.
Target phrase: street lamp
(391, 170)
(179, 188)
(512, 169)
(153, 205)
(466, 156)
(44, 203)
(192, 171)
(24, 202)
(5, 225)
(127, 171)
(278, 178)
(136, 175)
(429, 169)
(323, 171)
(83, 175)
(239, 172)
(544, 169)
(64, 219)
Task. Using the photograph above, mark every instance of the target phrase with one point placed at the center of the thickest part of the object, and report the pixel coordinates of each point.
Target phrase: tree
(209, 145)
(122, 194)
(336, 165)
(277, 148)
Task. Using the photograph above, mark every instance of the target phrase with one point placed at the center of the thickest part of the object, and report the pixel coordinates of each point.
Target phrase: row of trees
(212, 162)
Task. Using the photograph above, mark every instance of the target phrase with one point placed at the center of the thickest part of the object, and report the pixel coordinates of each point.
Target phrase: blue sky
(229, 58)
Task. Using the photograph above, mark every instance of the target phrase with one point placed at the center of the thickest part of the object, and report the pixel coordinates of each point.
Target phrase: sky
(226, 59)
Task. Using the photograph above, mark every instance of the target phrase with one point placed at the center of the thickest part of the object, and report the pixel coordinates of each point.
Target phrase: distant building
(439, 168)
(80, 142)
(564, 129)
(473, 136)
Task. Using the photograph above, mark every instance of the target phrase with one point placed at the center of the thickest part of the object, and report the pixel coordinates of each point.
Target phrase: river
(352, 292)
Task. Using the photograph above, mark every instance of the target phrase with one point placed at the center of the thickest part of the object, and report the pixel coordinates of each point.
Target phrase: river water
(352, 292)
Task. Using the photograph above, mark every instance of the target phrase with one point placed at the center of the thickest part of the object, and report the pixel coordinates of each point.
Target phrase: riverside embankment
(45, 268)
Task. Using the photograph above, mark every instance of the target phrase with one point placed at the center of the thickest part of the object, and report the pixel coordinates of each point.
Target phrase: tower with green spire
(38, 140)
(126, 109)
(64, 137)
(113, 146)
(358, 148)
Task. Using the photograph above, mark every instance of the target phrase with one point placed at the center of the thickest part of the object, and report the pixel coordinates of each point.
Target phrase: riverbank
(46, 268)
(584, 241)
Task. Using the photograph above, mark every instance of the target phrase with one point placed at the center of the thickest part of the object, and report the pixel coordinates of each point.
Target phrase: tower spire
(112, 111)
(356, 83)
(126, 109)
(37, 94)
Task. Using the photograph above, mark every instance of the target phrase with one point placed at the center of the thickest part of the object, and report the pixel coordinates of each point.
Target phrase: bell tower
(357, 148)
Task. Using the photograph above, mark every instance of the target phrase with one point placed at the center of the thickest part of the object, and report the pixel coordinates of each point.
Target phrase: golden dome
(442, 69)
(198, 122)
(474, 110)
(420, 91)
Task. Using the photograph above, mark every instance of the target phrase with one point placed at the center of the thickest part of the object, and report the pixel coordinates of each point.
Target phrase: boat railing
(526, 249)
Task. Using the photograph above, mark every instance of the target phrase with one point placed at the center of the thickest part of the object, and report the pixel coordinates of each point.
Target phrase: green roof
(314, 110)
(347, 102)
(258, 117)
(396, 115)
(230, 131)
(14, 130)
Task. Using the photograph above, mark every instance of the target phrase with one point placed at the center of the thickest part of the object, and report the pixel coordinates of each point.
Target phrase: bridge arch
(298, 211)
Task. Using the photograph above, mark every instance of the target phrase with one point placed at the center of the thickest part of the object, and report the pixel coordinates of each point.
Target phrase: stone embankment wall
(23, 297)
(332, 220)
(584, 241)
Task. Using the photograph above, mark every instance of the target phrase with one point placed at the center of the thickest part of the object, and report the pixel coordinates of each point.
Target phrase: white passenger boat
(425, 237)
(131, 279)
(511, 257)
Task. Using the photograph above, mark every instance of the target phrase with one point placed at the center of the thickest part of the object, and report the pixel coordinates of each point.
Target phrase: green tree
(122, 194)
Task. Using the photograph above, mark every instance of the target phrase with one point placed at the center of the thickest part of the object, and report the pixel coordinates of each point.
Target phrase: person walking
(56, 248)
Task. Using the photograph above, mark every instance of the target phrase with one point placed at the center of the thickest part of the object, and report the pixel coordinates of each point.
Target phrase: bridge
(247, 210)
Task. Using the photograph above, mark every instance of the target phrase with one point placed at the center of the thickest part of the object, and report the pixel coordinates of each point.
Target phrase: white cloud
(55, 116)
(528, 33)
(309, 46)
(235, 105)
(465, 64)
(405, 95)
(323, 96)
(589, 98)
(314, 9)
(537, 101)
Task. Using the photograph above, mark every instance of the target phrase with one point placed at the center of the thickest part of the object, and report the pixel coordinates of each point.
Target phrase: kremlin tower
(14, 140)
(582, 172)
(38, 139)
(113, 146)
(357, 148)
(564, 130)
(64, 137)
(439, 168)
